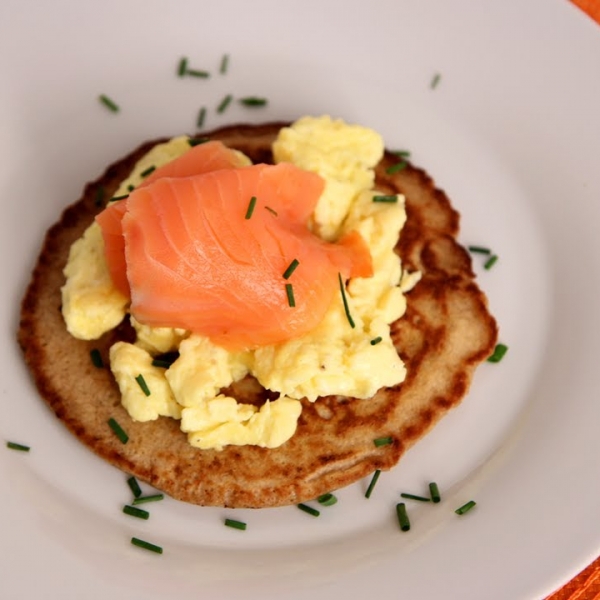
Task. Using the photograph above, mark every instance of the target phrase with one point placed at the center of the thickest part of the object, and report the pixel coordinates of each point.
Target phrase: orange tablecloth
(586, 586)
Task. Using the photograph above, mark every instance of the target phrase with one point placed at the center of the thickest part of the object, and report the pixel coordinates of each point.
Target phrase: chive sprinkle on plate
(308, 509)
(199, 124)
(146, 545)
(19, 447)
(435, 81)
(376, 340)
(383, 441)
(415, 497)
(224, 64)
(236, 524)
(499, 351)
(146, 499)
(134, 486)
(224, 103)
(465, 508)
(291, 268)
(327, 499)
(109, 103)
(402, 515)
(182, 67)
(143, 385)
(434, 492)
(197, 73)
(138, 513)
(374, 479)
(490, 262)
(251, 206)
(253, 101)
(96, 358)
(479, 249)
(289, 290)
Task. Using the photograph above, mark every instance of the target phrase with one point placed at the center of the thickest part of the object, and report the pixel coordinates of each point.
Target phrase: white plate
(511, 132)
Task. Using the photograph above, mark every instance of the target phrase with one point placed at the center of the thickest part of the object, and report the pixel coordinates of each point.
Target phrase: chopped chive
(163, 364)
(165, 360)
(434, 492)
(235, 524)
(199, 124)
(224, 103)
(383, 198)
(134, 486)
(253, 101)
(383, 441)
(132, 511)
(99, 197)
(117, 198)
(224, 64)
(147, 171)
(465, 507)
(489, 263)
(401, 153)
(130, 188)
(291, 268)
(251, 206)
(146, 499)
(396, 168)
(197, 141)
(479, 250)
(499, 351)
(118, 430)
(345, 301)
(110, 104)
(289, 290)
(96, 358)
(402, 516)
(414, 497)
(146, 545)
(20, 447)
(309, 509)
(196, 73)
(376, 340)
(142, 383)
(327, 499)
(435, 80)
(271, 210)
(182, 68)
(374, 479)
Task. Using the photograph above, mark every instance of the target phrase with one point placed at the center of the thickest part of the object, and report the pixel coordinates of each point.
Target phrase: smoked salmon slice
(209, 156)
(228, 254)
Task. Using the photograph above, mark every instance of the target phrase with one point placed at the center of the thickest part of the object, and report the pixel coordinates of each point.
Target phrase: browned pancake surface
(445, 333)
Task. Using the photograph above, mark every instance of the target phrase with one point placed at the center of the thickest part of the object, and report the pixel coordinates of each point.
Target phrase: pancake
(445, 333)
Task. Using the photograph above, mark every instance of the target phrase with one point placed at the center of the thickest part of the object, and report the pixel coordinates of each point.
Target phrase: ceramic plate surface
(511, 133)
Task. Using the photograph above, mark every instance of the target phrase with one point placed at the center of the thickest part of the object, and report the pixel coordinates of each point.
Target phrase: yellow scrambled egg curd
(349, 353)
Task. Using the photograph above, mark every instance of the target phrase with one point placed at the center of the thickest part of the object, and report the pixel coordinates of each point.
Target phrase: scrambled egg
(349, 353)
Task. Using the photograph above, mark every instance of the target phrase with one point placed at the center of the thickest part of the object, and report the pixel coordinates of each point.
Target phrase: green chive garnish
(251, 206)
(253, 101)
(414, 497)
(271, 210)
(376, 340)
(118, 430)
(401, 153)
(235, 524)
(479, 250)
(383, 441)
(345, 301)
(327, 499)
(136, 512)
(224, 103)
(96, 358)
(308, 509)
(434, 492)
(465, 507)
(499, 351)
(146, 499)
(389, 199)
(372, 483)
(196, 73)
(200, 124)
(117, 198)
(197, 141)
(435, 81)
(130, 188)
(291, 268)
(134, 486)
(489, 263)
(224, 64)
(289, 290)
(110, 104)
(396, 167)
(19, 447)
(182, 69)
(143, 385)
(147, 171)
(165, 360)
(146, 545)
(402, 516)
(99, 197)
